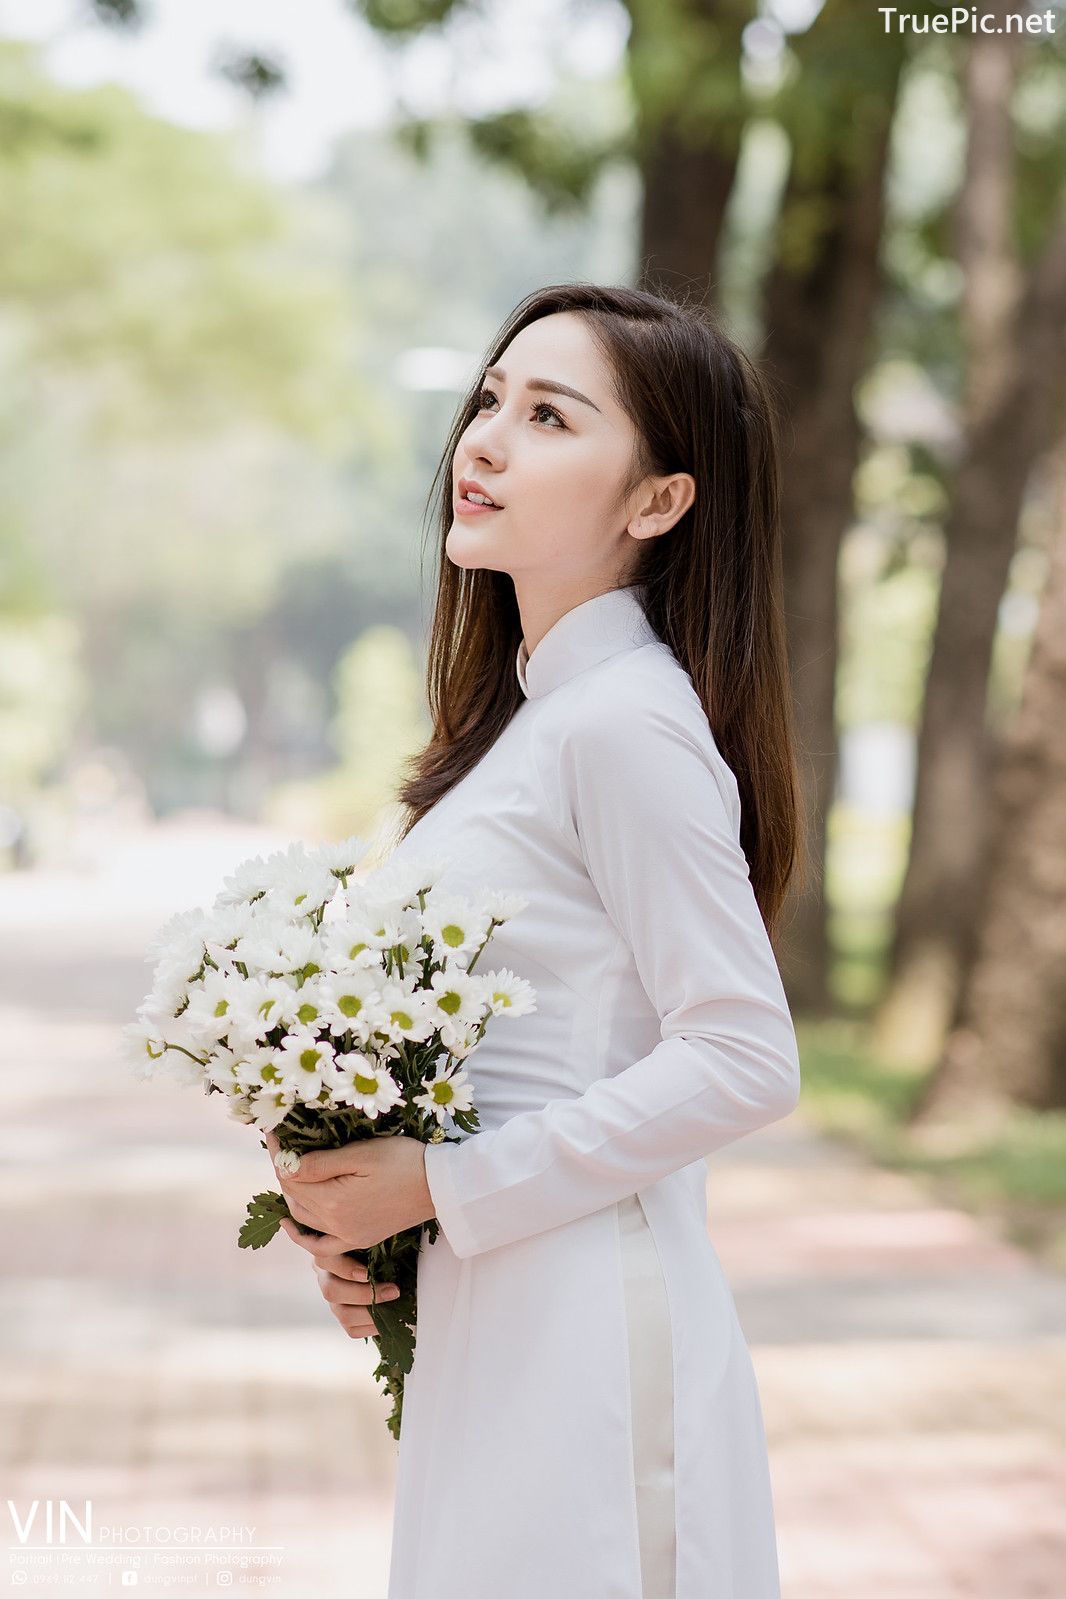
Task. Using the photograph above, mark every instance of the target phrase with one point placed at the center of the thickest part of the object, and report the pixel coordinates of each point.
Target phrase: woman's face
(555, 463)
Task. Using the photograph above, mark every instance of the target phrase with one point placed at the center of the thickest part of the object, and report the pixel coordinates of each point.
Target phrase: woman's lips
(465, 507)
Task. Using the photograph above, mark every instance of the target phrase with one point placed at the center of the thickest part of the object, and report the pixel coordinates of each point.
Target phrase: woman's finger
(355, 1318)
(343, 1266)
(316, 1243)
(361, 1326)
(329, 1253)
(340, 1291)
(302, 1213)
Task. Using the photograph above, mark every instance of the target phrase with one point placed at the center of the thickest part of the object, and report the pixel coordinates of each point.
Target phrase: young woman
(612, 741)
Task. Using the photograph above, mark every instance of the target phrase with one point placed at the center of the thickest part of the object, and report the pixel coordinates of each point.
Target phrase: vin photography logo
(52, 1523)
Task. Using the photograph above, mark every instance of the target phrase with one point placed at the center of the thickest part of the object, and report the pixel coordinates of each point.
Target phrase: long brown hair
(712, 585)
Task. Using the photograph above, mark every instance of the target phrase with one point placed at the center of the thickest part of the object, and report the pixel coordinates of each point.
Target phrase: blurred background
(250, 254)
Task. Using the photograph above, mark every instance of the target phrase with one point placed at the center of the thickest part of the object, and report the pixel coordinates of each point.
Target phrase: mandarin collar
(582, 637)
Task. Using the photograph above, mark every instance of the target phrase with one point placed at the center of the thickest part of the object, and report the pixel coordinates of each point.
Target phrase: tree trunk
(939, 902)
(1008, 1043)
(687, 154)
(818, 316)
(819, 306)
(685, 194)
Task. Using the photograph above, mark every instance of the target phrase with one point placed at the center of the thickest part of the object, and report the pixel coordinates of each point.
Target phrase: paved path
(912, 1366)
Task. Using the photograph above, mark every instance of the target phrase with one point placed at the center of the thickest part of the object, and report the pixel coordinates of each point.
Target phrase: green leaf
(395, 1336)
(265, 1213)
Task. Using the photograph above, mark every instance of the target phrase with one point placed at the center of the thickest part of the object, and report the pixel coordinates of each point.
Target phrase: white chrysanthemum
(269, 1109)
(223, 1065)
(300, 948)
(365, 1084)
(287, 1161)
(455, 999)
(224, 929)
(501, 907)
(171, 987)
(249, 879)
(209, 1010)
(299, 888)
(507, 994)
(401, 881)
(178, 933)
(304, 1006)
(261, 1069)
(279, 948)
(448, 1090)
(220, 958)
(149, 1056)
(460, 1040)
(347, 945)
(253, 877)
(393, 927)
(176, 1030)
(348, 1001)
(304, 1062)
(458, 928)
(293, 1005)
(141, 1046)
(340, 858)
(259, 1110)
(374, 1033)
(405, 1014)
(256, 1005)
(243, 1108)
(259, 955)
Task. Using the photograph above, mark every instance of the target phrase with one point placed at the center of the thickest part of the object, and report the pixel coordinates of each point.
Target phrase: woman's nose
(483, 442)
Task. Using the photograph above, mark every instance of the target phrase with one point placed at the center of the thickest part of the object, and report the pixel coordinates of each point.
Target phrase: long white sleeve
(643, 795)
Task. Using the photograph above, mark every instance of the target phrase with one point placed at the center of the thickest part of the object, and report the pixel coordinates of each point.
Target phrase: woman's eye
(486, 395)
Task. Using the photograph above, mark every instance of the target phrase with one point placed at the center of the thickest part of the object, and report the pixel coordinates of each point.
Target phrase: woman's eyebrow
(544, 386)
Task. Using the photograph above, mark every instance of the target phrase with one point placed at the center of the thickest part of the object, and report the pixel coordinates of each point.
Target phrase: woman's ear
(666, 503)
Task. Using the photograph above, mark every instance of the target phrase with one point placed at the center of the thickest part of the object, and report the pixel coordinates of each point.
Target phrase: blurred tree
(40, 697)
(690, 106)
(179, 395)
(820, 298)
(379, 723)
(379, 720)
(141, 252)
(1007, 1043)
(1014, 333)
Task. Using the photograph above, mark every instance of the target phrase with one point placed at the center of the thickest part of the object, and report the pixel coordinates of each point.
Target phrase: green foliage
(378, 725)
(1040, 139)
(143, 253)
(1017, 1173)
(852, 1092)
(41, 695)
(560, 151)
(258, 75)
(177, 342)
(683, 67)
(399, 18)
(265, 1213)
(834, 103)
(557, 164)
(119, 13)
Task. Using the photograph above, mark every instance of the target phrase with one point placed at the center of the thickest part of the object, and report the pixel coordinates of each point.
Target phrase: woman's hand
(359, 1194)
(344, 1284)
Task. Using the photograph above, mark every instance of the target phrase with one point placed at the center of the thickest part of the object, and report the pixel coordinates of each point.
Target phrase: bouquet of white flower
(332, 1011)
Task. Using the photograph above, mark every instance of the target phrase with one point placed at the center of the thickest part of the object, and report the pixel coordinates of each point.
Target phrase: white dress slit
(651, 1388)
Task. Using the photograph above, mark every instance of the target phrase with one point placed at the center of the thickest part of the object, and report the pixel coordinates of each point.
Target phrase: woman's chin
(469, 549)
